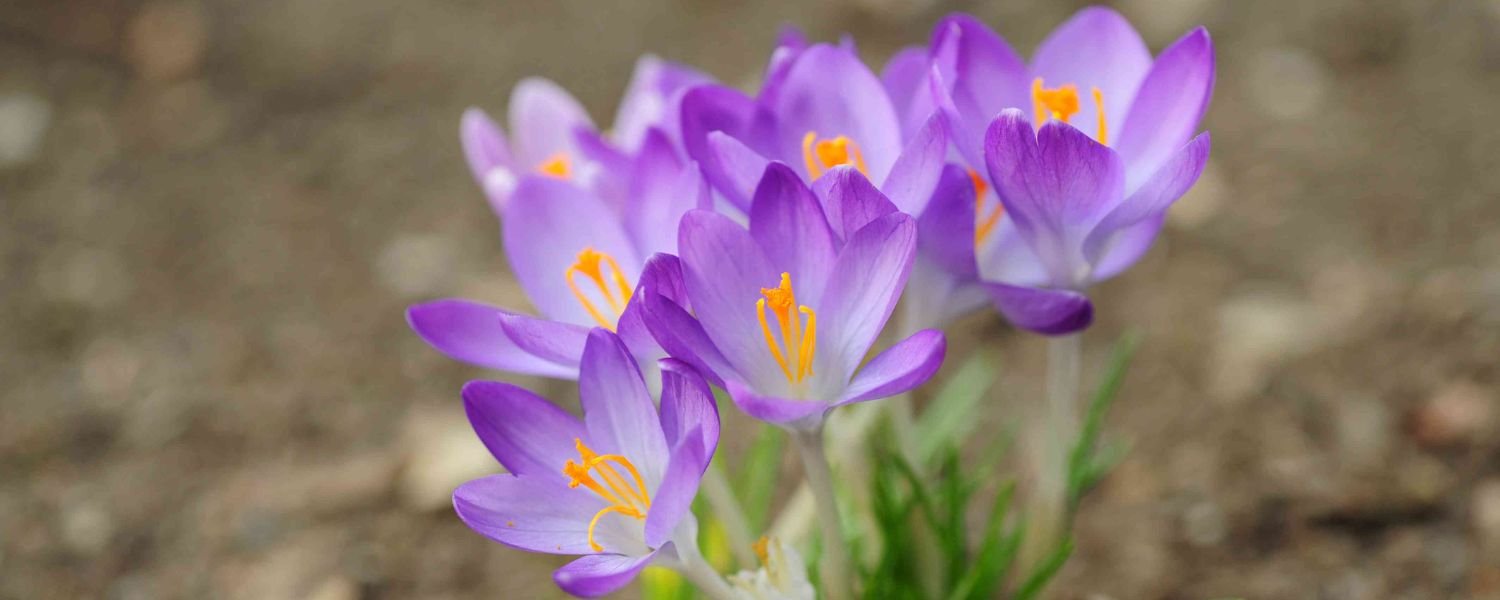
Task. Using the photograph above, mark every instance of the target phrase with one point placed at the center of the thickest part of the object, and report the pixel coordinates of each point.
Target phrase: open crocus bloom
(820, 108)
(615, 486)
(553, 136)
(577, 254)
(787, 310)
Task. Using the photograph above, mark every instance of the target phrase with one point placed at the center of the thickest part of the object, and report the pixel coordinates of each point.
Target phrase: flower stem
(1049, 449)
(835, 563)
(729, 512)
(691, 565)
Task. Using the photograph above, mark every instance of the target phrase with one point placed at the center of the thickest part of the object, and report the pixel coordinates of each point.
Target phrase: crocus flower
(576, 250)
(554, 136)
(1082, 198)
(820, 108)
(614, 487)
(787, 310)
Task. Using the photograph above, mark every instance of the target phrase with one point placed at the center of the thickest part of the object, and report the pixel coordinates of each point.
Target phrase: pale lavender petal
(674, 497)
(651, 100)
(555, 342)
(488, 155)
(683, 337)
(850, 201)
(1044, 311)
(599, 574)
(662, 188)
(915, 174)
(980, 73)
(687, 405)
(828, 91)
(902, 367)
(471, 332)
(529, 513)
(739, 166)
(863, 289)
(725, 270)
(617, 408)
(710, 108)
(1121, 238)
(525, 432)
(1095, 48)
(934, 297)
(637, 336)
(787, 222)
(1055, 185)
(542, 119)
(1170, 103)
(602, 169)
(548, 223)
(945, 231)
(904, 78)
(782, 411)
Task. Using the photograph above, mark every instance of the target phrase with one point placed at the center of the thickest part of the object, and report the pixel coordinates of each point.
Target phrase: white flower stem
(1049, 449)
(835, 563)
(708, 581)
(728, 510)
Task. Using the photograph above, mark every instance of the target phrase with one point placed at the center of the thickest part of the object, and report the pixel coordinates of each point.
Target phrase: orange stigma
(1062, 103)
(782, 302)
(983, 224)
(631, 500)
(822, 155)
(558, 165)
(591, 265)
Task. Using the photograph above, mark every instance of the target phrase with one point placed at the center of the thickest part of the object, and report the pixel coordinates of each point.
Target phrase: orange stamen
(983, 225)
(591, 264)
(1062, 103)
(558, 165)
(825, 154)
(630, 500)
(781, 300)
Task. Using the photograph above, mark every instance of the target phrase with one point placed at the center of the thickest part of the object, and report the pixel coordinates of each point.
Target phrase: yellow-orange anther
(1062, 103)
(782, 302)
(822, 155)
(983, 224)
(624, 497)
(558, 165)
(591, 265)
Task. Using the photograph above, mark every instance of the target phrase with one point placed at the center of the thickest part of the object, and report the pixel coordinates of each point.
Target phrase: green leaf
(1045, 571)
(1081, 462)
(759, 471)
(949, 418)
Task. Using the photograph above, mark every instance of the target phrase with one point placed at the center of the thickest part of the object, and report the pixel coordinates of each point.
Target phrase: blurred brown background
(214, 212)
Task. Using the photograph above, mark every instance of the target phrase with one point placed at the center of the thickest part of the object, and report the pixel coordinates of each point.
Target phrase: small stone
(24, 120)
(166, 40)
(417, 265)
(86, 277)
(1258, 331)
(1288, 83)
(1486, 514)
(86, 528)
(1454, 415)
(335, 588)
(443, 453)
(110, 367)
(1204, 524)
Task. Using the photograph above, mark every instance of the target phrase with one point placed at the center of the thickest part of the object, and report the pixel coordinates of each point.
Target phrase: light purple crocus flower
(1083, 198)
(576, 247)
(615, 486)
(783, 314)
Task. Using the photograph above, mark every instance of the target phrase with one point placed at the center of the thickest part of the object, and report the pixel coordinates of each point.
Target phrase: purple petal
(983, 76)
(851, 201)
(725, 270)
(637, 336)
(471, 332)
(603, 168)
(946, 228)
(828, 91)
(710, 108)
(662, 187)
(1126, 233)
(781, 411)
(739, 166)
(525, 432)
(683, 337)
(529, 513)
(935, 297)
(904, 78)
(542, 119)
(548, 223)
(651, 100)
(916, 171)
(788, 223)
(599, 574)
(901, 367)
(488, 155)
(1055, 185)
(1095, 48)
(553, 341)
(617, 408)
(1170, 103)
(866, 282)
(674, 497)
(1044, 311)
(687, 405)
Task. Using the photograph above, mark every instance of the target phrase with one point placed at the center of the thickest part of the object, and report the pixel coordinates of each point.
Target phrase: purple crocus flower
(615, 486)
(787, 310)
(576, 247)
(1082, 198)
(820, 108)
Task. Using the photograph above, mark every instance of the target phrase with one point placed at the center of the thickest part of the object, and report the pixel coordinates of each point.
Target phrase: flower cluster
(760, 243)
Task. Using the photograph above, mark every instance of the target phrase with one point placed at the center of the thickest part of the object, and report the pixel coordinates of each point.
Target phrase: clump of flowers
(755, 248)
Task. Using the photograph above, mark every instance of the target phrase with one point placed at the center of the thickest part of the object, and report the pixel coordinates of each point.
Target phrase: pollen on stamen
(820, 155)
(558, 166)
